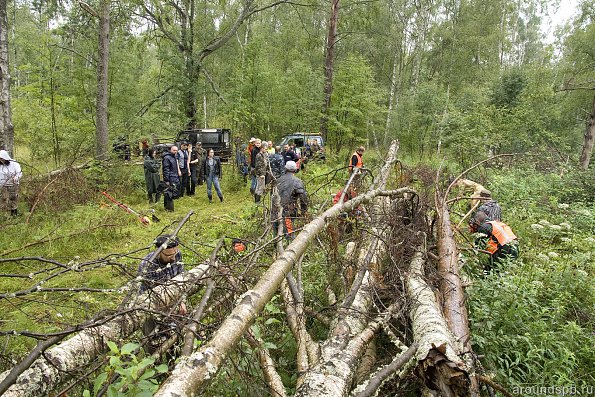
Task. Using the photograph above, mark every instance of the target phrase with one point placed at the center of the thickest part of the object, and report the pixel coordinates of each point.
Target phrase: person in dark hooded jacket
(171, 178)
(293, 200)
(152, 167)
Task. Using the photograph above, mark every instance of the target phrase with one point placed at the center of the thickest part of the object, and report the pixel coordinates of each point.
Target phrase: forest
(385, 293)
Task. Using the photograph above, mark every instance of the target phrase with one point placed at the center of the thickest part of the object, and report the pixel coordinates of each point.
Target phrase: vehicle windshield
(208, 137)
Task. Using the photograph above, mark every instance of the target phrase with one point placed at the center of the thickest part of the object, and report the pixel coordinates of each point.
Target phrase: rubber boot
(14, 212)
(157, 197)
(210, 199)
(150, 195)
(256, 198)
(169, 205)
(221, 198)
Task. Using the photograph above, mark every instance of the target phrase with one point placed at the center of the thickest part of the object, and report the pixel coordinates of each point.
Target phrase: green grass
(534, 323)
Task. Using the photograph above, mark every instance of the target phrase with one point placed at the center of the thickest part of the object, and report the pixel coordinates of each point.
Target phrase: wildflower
(566, 225)
(553, 255)
(563, 206)
(565, 239)
(544, 222)
(536, 226)
(555, 227)
(543, 257)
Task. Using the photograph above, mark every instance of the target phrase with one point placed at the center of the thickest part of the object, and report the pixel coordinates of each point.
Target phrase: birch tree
(6, 127)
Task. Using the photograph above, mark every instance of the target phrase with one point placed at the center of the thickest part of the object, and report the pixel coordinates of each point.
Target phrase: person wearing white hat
(10, 176)
(293, 200)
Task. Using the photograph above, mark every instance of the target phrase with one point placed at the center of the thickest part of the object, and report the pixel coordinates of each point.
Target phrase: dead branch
(199, 312)
(267, 365)
(495, 385)
(47, 239)
(386, 372)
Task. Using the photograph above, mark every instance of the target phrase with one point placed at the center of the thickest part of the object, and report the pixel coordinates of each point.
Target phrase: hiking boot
(221, 198)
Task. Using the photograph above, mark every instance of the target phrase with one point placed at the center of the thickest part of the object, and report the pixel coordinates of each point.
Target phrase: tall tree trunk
(6, 127)
(392, 99)
(589, 140)
(101, 127)
(331, 40)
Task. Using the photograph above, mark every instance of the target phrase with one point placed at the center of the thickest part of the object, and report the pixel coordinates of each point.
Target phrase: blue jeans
(213, 180)
(253, 184)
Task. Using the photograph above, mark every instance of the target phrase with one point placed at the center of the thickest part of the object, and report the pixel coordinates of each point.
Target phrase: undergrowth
(533, 322)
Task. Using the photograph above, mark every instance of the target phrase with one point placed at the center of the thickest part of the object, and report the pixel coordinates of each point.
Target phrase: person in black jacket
(212, 174)
(171, 178)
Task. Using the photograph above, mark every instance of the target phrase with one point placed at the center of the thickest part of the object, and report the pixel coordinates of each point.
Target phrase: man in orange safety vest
(502, 243)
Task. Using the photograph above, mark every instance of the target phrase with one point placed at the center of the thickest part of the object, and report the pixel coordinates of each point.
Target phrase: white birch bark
(6, 127)
(439, 364)
(78, 351)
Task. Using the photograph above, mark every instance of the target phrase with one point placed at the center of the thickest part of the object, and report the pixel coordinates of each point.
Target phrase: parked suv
(300, 139)
(218, 139)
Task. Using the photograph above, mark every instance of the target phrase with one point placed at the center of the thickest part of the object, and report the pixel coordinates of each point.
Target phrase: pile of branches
(56, 192)
(398, 320)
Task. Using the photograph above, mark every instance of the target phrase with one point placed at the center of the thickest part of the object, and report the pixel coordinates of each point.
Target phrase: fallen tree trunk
(341, 353)
(349, 338)
(439, 364)
(193, 374)
(451, 288)
(58, 363)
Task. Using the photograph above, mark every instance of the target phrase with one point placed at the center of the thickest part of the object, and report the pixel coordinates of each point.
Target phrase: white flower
(553, 255)
(544, 222)
(543, 257)
(590, 239)
(565, 239)
(536, 226)
(563, 206)
(566, 225)
(556, 227)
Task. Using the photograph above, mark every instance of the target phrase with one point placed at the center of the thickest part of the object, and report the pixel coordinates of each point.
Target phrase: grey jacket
(293, 195)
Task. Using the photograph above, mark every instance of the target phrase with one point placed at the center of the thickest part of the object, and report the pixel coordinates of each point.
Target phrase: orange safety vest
(360, 161)
(501, 235)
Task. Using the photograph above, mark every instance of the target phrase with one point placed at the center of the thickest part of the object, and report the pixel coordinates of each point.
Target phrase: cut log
(453, 293)
(439, 364)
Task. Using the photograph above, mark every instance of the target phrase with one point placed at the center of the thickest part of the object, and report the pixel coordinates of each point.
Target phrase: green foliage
(135, 375)
(355, 103)
(506, 92)
(533, 321)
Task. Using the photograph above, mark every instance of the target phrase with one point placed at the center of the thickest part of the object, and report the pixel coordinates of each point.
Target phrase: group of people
(275, 167)
(181, 171)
